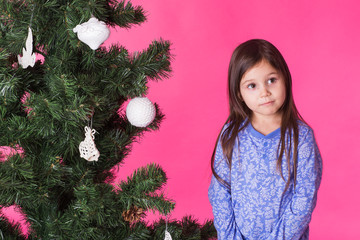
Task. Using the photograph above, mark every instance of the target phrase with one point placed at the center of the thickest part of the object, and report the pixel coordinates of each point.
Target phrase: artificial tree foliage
(43, 111)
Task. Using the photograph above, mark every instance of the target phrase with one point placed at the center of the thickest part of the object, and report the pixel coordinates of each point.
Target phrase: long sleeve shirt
(255, 207)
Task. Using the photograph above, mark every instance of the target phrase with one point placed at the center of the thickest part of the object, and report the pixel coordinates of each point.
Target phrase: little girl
(266, 164)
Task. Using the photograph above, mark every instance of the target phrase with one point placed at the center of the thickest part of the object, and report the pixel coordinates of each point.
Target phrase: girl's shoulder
(305, 130)
(303, 126)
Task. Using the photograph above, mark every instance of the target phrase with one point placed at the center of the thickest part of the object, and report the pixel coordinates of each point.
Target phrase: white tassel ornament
(92, 32)
(28, 57)
(167, 235)
(87, 147)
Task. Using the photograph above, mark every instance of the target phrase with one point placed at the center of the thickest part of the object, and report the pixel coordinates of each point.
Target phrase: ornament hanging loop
(32, 15)
(90, 122)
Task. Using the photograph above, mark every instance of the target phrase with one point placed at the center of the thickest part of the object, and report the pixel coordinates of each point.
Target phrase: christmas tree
(60, 118)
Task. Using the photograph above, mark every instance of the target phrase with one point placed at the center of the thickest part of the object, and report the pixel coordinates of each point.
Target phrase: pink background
(320, 41)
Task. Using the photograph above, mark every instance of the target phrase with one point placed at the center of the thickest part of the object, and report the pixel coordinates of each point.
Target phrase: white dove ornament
(87, 147)
(93, 32)
(28, 57)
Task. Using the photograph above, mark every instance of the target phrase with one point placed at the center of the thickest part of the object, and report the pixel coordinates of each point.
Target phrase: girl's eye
(251, 86)
(271, 80)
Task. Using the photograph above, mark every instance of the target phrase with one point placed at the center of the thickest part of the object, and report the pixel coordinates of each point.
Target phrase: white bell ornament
(87, 147)
(93, 32)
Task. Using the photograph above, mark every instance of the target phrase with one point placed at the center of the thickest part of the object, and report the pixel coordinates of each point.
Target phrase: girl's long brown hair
(244, 57)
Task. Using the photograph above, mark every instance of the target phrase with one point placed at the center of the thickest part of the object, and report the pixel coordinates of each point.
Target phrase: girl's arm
(294, 222)
(220, 199)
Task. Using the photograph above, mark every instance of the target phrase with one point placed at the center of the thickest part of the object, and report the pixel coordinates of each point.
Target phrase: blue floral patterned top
(255, 207)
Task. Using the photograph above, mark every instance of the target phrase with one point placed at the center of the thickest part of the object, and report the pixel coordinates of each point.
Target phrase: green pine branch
(125, 14)
(140, 189)
(13, 174)
(154, 62)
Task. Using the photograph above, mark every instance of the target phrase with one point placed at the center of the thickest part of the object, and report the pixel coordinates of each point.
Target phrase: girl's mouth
(267, 103)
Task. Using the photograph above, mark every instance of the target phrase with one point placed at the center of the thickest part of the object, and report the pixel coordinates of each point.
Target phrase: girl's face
(262, 88)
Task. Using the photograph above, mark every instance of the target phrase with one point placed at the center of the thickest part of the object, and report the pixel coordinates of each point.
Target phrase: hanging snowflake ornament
(140, 112)
(87, 147)
(28, 57)
(92, 32)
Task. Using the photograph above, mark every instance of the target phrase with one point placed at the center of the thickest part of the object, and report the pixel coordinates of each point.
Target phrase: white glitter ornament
(87, 147)
(140, 112)
(92, 32)
(28, 57)
(167, 235)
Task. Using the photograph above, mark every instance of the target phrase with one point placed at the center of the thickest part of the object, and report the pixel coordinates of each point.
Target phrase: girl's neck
(266, 125)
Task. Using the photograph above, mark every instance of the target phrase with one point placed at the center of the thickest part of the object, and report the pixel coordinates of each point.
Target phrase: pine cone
(133, 215)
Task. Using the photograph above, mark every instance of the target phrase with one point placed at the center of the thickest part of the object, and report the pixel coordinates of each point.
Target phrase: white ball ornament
(92, 32)
(140, 112)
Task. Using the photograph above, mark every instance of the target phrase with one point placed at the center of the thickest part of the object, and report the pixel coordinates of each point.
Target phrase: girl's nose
(264, 92)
